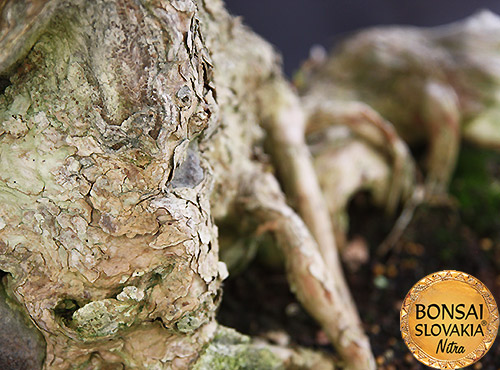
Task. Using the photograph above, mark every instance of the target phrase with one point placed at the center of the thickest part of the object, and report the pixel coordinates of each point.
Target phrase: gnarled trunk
(129, 129)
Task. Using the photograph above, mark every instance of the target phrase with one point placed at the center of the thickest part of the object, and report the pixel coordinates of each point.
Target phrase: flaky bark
(128, 131)
(107, 236)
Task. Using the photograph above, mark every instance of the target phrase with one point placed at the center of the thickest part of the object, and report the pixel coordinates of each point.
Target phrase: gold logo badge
(449, 320)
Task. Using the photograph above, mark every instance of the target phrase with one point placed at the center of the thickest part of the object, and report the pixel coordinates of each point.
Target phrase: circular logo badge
(449, 320)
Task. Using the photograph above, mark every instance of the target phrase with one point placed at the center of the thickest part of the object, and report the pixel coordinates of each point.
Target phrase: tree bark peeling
(128, 131)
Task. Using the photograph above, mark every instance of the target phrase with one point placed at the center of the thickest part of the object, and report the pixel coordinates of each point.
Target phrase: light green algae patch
(192, 321)
(232, 350)
(103, 318)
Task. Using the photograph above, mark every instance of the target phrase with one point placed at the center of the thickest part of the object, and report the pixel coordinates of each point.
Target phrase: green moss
(476, 186)
(230, 350)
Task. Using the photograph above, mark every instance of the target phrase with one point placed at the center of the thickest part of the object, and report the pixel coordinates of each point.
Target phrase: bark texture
(128, 130)
(107, 232)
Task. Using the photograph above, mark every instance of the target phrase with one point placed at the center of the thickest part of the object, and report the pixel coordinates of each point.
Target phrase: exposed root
(310, 278)
(403, 221)
(284, 121)
(370, 126)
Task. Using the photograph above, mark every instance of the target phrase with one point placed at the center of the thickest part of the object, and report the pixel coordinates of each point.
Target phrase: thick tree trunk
(129, 130)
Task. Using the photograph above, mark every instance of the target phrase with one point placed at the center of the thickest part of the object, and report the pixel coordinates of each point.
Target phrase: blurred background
(463, 234)
(293, 26)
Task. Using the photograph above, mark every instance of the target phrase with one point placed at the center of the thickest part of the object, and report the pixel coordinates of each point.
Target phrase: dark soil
(461, 235)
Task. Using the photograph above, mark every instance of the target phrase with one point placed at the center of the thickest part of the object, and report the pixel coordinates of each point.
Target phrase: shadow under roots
(367, 220)
(258, 302)
(4, 83)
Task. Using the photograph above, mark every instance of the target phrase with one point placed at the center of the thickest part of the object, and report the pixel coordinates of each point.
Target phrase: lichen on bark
(97, 119)
(231, 350)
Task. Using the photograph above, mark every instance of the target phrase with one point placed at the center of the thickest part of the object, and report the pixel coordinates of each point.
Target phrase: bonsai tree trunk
(129, 129)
